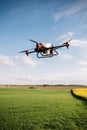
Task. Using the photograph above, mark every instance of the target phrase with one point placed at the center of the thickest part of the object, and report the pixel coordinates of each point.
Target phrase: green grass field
(33, 109)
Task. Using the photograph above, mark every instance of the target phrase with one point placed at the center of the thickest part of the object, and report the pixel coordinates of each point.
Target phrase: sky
(50, 21)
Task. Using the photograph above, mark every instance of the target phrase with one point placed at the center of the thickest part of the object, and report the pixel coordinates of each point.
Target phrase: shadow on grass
(79, 97)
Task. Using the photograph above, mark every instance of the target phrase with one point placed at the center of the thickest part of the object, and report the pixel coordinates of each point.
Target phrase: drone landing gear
(42, 55)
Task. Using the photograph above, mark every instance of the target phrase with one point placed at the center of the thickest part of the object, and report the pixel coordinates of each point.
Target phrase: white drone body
(48, 45)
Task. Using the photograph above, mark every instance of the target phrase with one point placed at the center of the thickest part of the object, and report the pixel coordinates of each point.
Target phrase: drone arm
(63, 45)
(32, 52)
(27, 52)
(66, 44)
(57, 47)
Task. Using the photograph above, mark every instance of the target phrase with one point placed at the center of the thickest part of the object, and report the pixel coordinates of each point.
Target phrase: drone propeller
(67, 43)
(33, 41)
(25, 51)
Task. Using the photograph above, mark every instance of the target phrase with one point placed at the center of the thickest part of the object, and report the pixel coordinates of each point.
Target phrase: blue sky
(54, 21)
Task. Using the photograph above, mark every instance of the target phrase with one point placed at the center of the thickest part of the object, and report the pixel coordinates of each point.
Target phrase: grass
(33, 109)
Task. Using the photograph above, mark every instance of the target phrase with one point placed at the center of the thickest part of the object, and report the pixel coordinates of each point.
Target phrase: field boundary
(48, 87)
(77, 96)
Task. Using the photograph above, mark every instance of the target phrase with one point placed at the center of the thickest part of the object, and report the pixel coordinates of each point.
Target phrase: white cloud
(25, 61)
(73, 9)
(83, 63)
(6, 61)
(67, 36)
(76, 77)
(13, 66)
(64, 77)
(16, 62)
(65, 57)
(27, 79)
(45, 79)
(79, 43)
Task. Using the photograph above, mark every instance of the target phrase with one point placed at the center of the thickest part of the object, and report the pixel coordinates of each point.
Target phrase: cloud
(6, 61)
(83, 63)
(67, 36)
(25, 61)
(65, 57)
(13, 66)
(16, 62)
(45, 79)
(72, 77)
(79, 43)
(73, 9)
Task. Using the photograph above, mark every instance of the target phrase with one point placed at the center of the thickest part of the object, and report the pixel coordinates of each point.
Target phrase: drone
(45, 50)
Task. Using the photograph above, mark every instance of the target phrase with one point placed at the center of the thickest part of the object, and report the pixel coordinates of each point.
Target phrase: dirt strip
(49, 87)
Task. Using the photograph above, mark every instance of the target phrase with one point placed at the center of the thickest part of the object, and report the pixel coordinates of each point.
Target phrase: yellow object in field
(80, 92)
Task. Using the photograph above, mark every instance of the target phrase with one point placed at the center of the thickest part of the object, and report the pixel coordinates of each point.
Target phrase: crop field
(82, 92)
(41, 109)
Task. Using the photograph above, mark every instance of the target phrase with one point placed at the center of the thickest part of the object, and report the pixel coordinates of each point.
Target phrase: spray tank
(48, 51)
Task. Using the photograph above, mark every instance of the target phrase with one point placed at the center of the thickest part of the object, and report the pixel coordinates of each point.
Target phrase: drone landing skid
(41, 55)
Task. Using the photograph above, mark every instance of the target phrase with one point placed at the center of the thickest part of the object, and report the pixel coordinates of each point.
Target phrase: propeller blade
(67, 43)
(33, 41)
(69, 40)
(27, 50)
(23, 51)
